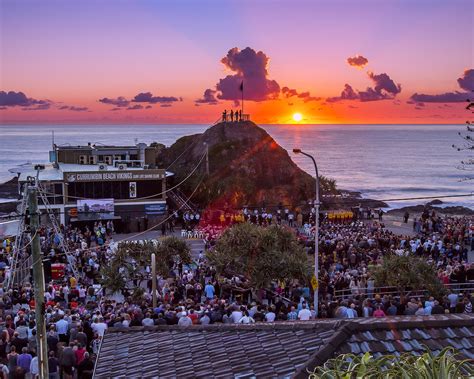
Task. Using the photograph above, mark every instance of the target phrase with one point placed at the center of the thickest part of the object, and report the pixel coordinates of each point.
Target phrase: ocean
(381, 161)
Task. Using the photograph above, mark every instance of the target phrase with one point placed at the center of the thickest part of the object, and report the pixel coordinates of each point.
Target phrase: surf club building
(86, 184)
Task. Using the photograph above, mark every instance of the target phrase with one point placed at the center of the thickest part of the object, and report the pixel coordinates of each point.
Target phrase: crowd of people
(78, 313)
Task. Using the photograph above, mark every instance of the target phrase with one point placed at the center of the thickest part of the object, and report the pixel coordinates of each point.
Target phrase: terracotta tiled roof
(270, 350)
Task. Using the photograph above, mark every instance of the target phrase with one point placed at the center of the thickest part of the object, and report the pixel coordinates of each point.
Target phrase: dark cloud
(135, 107)
(143, 97)
(115, 109)
(251, 68)
(147, 97)
(119, 102)
(306, 96)
(383, 84)
(347, 93)
(287, 92)
(448, 97)
(466, 82)
(385, 88)
(358, 61)
(166, 105)
(73, 108)
(13, 99)
(209, 97)
(3, 108)
(39, 107)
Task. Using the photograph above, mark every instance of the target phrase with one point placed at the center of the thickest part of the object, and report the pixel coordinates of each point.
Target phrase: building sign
(155, 209)
(132, 189)
(9, 228)
(95, 209)
(100, 176)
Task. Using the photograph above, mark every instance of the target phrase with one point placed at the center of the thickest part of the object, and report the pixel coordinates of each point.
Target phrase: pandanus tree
(260, 254)
(407, 273)
(132, 257)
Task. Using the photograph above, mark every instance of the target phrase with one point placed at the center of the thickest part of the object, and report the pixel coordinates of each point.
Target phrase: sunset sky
(150, 61)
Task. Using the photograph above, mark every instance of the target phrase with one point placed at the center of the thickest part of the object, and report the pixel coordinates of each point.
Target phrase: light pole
(316, 231)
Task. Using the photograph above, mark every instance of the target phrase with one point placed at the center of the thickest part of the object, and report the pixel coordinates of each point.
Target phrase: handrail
(347, 293)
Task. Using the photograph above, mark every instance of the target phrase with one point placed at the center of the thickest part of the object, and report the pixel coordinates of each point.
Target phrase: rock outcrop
(246, 167)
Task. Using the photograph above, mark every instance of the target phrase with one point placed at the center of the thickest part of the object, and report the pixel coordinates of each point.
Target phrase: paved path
(396, 225)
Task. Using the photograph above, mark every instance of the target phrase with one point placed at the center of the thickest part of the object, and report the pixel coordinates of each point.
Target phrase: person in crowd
(78, 316)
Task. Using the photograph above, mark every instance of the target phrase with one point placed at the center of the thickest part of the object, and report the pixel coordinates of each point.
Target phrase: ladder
(57, 229)
(21, 238)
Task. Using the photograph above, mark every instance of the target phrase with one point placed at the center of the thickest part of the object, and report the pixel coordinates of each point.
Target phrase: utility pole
(38, 277)
(153, 279)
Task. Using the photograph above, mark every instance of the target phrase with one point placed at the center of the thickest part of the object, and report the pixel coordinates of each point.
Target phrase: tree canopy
(260, 254)
(407, 272)
(131, 258)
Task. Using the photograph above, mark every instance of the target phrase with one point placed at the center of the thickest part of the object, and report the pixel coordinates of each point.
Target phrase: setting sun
(297, 117)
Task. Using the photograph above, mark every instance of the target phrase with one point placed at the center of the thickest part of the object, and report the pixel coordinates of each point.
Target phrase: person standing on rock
(231, 115)
(224, 116)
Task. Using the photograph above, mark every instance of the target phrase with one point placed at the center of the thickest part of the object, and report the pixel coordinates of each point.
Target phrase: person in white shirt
(246, 319)
(304, 314)
(62, 327)
(270, 316)
(237, 314)
(34, 369)
(99, 326)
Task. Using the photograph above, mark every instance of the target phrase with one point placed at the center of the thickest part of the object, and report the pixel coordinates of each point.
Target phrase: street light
(316, 231)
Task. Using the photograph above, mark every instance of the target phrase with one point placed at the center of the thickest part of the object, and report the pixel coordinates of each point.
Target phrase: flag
(242, 86)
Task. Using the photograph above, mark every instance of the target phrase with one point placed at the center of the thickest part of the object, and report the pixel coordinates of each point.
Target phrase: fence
(348, 293)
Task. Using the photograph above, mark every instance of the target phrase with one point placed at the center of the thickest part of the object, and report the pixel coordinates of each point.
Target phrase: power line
(143, 232)
(50, 194)
(337, 202)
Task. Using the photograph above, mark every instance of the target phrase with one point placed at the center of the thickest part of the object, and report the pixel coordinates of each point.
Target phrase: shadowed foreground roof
(271, 350)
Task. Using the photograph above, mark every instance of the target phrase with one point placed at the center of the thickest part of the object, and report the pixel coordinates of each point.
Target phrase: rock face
(451, 210)
(246, 166)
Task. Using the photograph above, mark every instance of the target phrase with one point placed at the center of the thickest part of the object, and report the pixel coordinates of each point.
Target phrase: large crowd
(78, 312)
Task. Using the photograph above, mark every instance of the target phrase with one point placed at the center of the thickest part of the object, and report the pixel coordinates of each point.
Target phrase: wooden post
(38, 277)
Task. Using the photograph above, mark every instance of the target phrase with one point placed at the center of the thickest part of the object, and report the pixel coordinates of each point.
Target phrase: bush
(427, 366)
